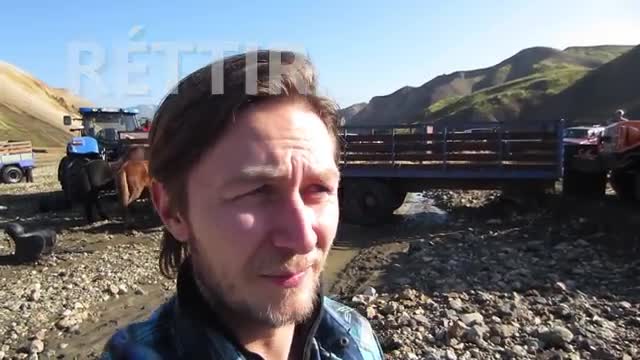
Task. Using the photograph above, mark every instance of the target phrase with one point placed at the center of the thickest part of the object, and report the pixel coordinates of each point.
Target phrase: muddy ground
(105, 275)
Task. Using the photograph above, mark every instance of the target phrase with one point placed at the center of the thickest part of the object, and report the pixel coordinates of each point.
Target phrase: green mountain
(595, 96)
(495, 93)
(547, 91)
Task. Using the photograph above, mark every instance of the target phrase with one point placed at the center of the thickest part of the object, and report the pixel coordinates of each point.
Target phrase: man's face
(263, 212)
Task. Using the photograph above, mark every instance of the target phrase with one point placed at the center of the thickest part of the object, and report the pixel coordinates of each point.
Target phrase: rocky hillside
(476, 93)
(31, 110)
(351, 111)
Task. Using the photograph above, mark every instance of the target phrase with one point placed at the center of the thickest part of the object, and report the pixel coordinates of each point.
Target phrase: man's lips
(288, 279)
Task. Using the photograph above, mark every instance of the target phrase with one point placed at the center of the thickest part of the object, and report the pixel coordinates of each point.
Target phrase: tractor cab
(101, 131)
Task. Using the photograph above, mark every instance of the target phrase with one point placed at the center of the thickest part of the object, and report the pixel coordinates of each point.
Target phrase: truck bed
(500, 155)
(16, 153)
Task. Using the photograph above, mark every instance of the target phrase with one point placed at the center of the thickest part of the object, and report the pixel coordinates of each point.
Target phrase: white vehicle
(582, 135)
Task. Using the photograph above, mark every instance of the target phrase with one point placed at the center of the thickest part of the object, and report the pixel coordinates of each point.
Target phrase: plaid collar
(199, 330)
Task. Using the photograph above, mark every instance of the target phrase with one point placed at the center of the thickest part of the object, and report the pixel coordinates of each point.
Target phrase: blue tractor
(100, 137)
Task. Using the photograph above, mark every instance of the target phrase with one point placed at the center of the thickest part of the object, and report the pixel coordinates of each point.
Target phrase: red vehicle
(620, 153)
(615, 158)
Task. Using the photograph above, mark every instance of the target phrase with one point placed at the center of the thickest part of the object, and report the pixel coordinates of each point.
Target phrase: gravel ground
(536, 283)
(45, 306)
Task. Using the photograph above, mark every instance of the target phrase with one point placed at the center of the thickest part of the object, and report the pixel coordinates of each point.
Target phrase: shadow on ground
(504, 246)
(27, 210)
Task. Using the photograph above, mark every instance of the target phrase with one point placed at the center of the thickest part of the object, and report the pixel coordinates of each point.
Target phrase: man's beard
(226, 298)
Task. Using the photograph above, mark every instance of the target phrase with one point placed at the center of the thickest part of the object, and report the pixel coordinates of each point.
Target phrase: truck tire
(12, 174)
(584, 184)
(624, 184)
(400, 196)
(367, 202)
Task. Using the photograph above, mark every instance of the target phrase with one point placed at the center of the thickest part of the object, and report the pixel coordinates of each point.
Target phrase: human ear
(173, 221)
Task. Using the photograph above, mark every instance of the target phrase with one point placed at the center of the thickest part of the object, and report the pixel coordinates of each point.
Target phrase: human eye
(259, 190)
(318, 192)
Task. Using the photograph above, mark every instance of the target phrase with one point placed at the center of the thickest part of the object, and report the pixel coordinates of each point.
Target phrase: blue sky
(360, 48)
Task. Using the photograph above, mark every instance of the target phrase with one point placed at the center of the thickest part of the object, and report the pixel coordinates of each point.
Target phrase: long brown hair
(194, 116)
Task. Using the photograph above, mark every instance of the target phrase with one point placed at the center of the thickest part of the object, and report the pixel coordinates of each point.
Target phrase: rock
(421, 319)
(603, 354)
(371, 312)
(472, 318)
(517, 352)
(503, 331)
(475, 334)
(139, 291)
(450, 355)
(65, 323)
(455, 304)
(2, 354)
(457, 330)
(408, 294)
(63, 346)
(122, 289)
(560, 286)
(369, 291)
(555, 337)
(41, 334)
(390, 308)
(36, 346)
(113, 290)
(35, 295)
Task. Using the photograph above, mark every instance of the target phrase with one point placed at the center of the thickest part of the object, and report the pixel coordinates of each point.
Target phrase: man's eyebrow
(264, 173)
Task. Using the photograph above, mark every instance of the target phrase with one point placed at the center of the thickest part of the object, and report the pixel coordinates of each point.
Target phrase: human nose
(295, 226)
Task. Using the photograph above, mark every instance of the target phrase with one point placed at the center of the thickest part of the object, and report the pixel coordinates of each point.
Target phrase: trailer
(16, 161)
(380, 165)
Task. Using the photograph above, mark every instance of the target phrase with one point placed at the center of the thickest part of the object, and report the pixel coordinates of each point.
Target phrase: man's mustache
(292, 265)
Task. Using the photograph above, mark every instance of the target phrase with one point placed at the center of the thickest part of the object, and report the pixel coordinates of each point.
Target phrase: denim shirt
(185, 328)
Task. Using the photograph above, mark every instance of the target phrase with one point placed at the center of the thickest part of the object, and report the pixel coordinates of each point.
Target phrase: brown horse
(132, 182)
(132, 153)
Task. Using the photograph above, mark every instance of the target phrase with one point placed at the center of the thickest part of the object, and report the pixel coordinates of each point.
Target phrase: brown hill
(30, 109)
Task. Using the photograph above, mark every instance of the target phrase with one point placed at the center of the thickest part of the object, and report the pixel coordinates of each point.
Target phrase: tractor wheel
(63, 166)
(624, 184)
(12, 174)
(367, 202)
(67, 174)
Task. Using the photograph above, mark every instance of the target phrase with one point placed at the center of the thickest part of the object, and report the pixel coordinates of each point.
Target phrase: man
(246, 183)
(618, 117)
(146, 126)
